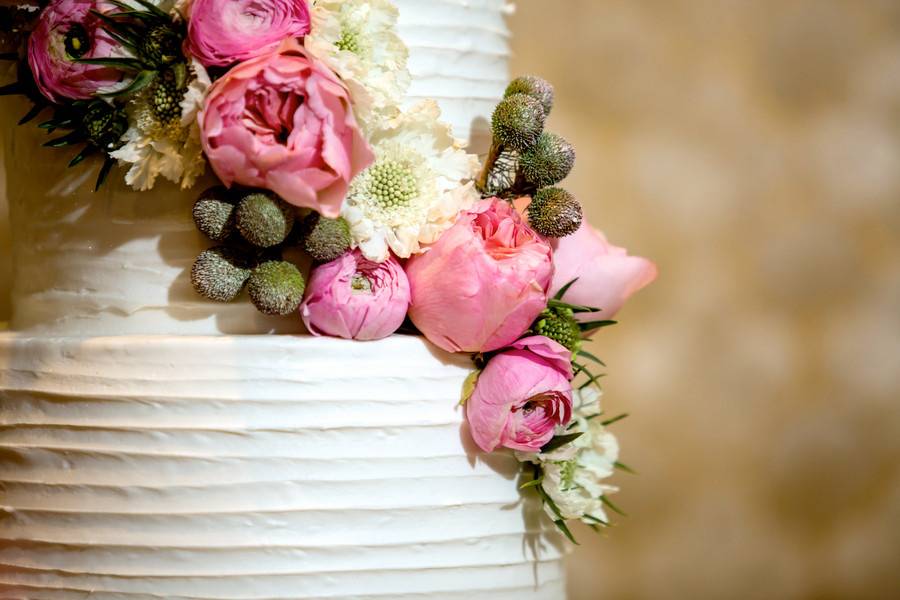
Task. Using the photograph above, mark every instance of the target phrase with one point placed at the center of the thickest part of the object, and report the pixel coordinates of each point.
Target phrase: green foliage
(559, 324)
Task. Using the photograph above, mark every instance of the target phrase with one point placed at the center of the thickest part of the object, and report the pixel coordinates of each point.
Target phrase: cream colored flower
(414, 191)
(171, 150)
(358, 40)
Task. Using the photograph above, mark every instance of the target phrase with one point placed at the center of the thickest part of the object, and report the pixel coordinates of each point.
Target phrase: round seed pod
(548, 161)
(554, 212)
(559, 325)
(517, 121)
(536, 87)
(276, 287)
(220, 273)
(263, 219)
(214, 213)
(327, 239)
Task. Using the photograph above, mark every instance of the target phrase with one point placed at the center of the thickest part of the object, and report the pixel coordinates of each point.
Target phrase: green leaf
(591, 325)
(104, 171)
(623, 467)
(597, 520)
(559, 441)
(469, 387)
(561, 525)
(32, 113)
(576, 308)
(590, 356)
(612, 506)
(592, 379)
(125, 64)
(12, 89)
(562, 291)
(85, 152)
(532, 483)
(608, 422)
(151, 8)
(76, 137)
(142, 80)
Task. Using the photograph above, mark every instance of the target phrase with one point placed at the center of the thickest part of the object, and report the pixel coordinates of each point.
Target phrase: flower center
(392, 184)
(567, 474)
(361, 284)
(77, 42)
(349, 40)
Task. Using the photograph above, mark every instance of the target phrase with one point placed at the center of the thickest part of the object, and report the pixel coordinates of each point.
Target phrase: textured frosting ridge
(252, 467)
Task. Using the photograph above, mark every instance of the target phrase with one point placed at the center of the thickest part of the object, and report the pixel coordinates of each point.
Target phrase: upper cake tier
(118, 261)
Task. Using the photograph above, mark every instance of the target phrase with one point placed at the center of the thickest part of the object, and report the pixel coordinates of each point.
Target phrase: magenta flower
(481, 285)
(67, 31)
(283, 122)
(355, 298)
(607, 275)
(223, 32)
(522, 396)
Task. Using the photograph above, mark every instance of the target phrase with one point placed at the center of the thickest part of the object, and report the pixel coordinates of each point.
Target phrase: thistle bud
(548, 161)
(264, 219)
(214, 213)
(554, 212)
(518, 121)
(536, 87)
(327, 238)
(104, 125)
(220, 273)
(559, 325)
(276, 287)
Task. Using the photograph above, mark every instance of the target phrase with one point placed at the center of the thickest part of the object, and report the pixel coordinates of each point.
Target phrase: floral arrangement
(297, 108)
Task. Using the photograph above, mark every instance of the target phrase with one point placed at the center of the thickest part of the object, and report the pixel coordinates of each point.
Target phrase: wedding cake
(155, 444)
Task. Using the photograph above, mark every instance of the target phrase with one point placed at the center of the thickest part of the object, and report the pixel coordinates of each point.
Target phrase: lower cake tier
(255, 468)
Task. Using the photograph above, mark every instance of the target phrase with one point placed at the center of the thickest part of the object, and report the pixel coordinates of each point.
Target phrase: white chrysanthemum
(414, 190)
(172, 151)
(358, 40)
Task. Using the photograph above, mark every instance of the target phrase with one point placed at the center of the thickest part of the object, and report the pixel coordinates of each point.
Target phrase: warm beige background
(752, 148)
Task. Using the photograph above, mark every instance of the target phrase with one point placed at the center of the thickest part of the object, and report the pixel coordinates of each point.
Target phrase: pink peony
(522, 396)
(65, 32)
(223, 32)
(283, 122)
(607, 276)
(355, 298)
(480, 286)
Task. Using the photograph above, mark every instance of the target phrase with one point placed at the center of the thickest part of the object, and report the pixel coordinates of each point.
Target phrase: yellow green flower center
(349, 40)
(392, 184)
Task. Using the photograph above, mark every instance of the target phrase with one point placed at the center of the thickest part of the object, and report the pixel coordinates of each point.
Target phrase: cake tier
(254, 467)
(118, 261)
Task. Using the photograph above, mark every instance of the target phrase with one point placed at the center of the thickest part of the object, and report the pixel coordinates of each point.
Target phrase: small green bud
(536, 87)
(327, 238)
(105, 125)
(214, 213)
(276, 287)
(559, 325)
(554, 212)
(161, 46)
(518, 121)
(264, 219)
(220, 273)
(548, 162)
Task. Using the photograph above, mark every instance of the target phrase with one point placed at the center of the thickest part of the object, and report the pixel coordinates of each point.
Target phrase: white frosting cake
(154, 445)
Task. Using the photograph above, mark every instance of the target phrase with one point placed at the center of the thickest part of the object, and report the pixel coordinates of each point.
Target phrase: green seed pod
(276, 287)
(518, 121)
(161, 46)
(220, 273)
(264, 219)
(214, 213)
(548, 162)
(536, 87)
(554, 212)
(105, 125)
(559, 325)
(327, 238)
(165, 95)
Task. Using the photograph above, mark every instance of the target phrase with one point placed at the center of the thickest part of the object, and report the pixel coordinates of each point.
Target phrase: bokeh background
(752, 149)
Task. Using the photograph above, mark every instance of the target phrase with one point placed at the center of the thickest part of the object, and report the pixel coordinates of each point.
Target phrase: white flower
(173, 150)
(414, 190)
(358, 40)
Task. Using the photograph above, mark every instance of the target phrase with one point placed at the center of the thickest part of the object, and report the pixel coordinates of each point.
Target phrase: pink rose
(480, 286)
(283, 122)
(223, 32)
(607, 276)
(355, 298)
(65, 32)
(522, 396)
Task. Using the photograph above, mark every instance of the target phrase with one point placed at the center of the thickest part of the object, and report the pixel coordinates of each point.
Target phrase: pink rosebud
(522, 396)
(223, 32)
(607, 276)
(355, 298)
(283, 122)
(481, 285)
(67, 31)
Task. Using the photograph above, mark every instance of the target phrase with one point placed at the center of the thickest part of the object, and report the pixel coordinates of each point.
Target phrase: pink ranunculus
(522, 396)
(480, 286)
(606, 274)
(355, 298)
(67, 31)
(283, 122)
(223, 32)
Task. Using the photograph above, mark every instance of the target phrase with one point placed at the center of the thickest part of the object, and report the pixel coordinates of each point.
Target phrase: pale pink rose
(355, 298)
(480, 286)
(65, 32)
(606, 274)
(223, 32)
(522, 396)
(283, 122)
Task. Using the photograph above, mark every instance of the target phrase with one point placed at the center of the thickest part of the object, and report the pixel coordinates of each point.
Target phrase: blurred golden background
(752, 149)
